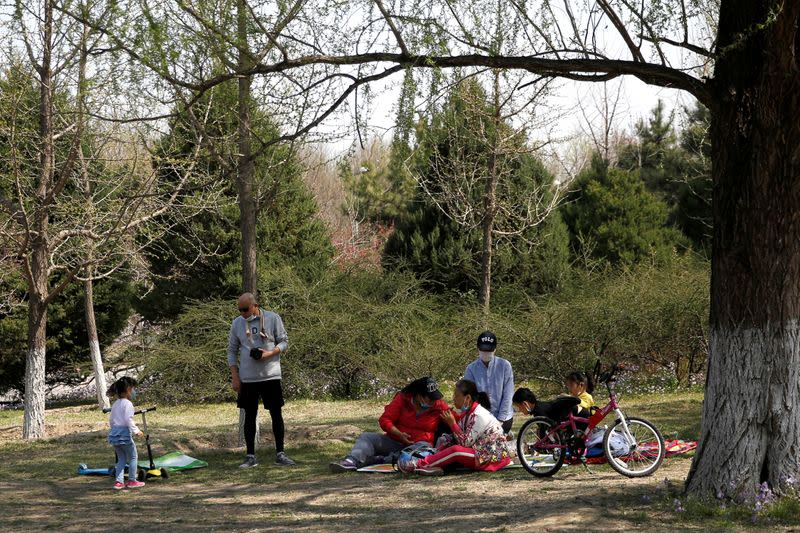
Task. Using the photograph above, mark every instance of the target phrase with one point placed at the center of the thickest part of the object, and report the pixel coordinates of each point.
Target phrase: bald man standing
(257, 339)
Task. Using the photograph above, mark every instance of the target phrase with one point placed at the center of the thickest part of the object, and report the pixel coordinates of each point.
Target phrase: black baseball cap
(487, 341)
(433, 389)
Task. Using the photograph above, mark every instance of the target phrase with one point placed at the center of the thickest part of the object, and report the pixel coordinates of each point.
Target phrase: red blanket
(674, 447)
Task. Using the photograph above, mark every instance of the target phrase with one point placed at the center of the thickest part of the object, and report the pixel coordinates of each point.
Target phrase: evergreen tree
(656, 155)
(617, 218)
(431, 242)
(693, 212)
(201, 258)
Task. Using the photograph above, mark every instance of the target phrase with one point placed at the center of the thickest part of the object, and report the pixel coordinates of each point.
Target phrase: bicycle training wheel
(638, 458)
(539, 448)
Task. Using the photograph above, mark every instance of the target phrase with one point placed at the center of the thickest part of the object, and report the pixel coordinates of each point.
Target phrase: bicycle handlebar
(610, 375)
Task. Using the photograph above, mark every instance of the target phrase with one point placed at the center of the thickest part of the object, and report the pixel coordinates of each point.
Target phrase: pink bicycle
(632, 446)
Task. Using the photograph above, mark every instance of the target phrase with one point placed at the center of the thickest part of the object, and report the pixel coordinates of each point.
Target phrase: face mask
(252, 317)
(464, 408)
(133, 395)
(424, 406)
(486, 356)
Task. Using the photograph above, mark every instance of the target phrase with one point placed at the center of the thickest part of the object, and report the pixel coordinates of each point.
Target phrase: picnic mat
(178, 461)
(389, 469)
(673, 447)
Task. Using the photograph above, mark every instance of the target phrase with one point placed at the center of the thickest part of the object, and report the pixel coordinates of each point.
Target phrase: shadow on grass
(465, 502)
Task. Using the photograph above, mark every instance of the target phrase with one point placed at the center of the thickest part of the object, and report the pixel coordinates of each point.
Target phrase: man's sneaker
(118, 486)
(134, 484)
(249, 462)
(345, 465)
(283, 460)
(407, 465)
(429, 471)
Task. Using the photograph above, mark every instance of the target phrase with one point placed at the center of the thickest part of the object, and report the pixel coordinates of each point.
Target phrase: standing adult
(494, 376)
(257, 339)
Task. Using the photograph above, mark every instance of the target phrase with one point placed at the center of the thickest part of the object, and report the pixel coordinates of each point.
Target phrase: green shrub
(362, 333)
(351, 334)
(653, 317)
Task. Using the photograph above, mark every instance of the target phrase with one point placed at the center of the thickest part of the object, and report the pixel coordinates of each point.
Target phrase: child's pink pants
(460, 455)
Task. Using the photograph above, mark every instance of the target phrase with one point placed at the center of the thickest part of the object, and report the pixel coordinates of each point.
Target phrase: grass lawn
(40, 490)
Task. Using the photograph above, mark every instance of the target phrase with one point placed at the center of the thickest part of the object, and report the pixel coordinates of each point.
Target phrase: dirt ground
(39, 490)
(574, 500)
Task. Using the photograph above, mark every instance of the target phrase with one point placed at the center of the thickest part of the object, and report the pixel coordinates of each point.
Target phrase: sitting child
(581, 385)
(525, 402)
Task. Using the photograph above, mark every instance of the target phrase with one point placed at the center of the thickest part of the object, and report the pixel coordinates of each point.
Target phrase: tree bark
(33, 418)
(244, 180)
(489, 203)
(750, 431)
(94, 344)
(37, 273)
(245, 167)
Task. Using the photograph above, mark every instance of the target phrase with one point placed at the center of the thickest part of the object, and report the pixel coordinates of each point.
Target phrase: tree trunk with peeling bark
(750, 427)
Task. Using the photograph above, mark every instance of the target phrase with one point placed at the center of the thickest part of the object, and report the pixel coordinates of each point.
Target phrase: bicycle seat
(556, 409)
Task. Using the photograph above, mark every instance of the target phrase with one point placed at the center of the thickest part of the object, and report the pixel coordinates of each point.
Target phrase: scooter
(142, 473)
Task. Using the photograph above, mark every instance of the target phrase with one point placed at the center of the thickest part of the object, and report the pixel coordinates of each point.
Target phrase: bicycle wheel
(638, 458)
(539, 448)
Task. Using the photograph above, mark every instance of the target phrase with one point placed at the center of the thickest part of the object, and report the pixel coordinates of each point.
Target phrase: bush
(651, 317)
(351, 334)
(359, 333)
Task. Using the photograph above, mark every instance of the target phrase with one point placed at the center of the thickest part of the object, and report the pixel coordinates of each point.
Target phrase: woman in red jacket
(412, 416)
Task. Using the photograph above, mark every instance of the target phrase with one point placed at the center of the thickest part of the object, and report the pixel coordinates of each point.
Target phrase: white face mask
(486, 356)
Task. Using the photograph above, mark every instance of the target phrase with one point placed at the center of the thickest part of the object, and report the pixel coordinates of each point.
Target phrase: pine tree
(613, 217)
(434, 243)
(201, 259)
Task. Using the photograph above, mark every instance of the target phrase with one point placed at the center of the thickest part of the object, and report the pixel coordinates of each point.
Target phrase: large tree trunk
(750, 428)
(245, 167)
(94, 344)
(33, 420)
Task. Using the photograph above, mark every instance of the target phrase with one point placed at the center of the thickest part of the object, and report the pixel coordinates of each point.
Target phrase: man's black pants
(271, 394)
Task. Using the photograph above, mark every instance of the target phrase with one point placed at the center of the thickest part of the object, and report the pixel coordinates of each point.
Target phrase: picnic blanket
(673, 447)
(388, 468)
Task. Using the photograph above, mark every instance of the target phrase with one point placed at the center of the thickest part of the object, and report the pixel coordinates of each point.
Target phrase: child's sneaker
(134, 484)
(118, 486)
(429, 471)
